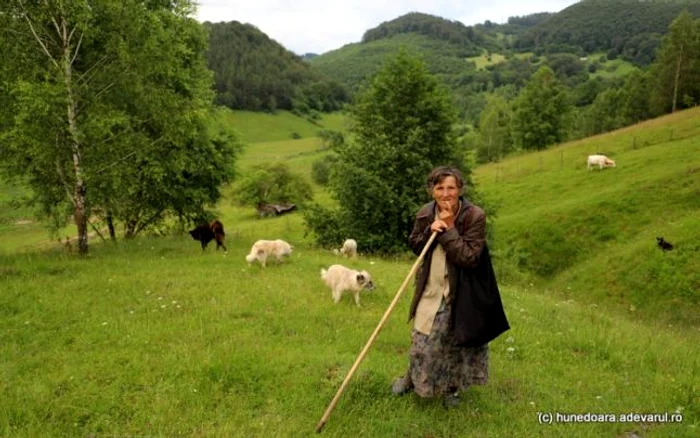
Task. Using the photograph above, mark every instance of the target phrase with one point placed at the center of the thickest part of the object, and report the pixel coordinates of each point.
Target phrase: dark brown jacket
(478, 315)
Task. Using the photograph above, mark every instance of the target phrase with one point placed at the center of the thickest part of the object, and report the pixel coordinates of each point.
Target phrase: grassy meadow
(152, 337)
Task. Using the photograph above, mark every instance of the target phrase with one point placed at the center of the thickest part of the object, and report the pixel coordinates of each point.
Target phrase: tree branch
(36, 37)
(77, 47)
(64, 182)
(145, 223)
(96, 230)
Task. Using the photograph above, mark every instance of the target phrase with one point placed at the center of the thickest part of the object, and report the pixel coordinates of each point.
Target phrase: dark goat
(666, 246)
(205, 233)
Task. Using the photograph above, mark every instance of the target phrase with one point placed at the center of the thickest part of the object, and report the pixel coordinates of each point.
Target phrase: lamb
(349, 248)
(341, 279)
(262, 249)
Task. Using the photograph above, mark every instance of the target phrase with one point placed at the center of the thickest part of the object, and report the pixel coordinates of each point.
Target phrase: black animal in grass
(666, 246)
(205, 233)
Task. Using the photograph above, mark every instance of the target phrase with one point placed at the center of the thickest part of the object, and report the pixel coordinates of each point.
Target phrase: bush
(321, 168)
(271, 184)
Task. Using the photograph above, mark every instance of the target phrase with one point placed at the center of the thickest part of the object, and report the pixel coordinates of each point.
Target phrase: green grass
(255, 127)
(483, 60)
(153, 337)
(162, 340)
(610, 68)
(592, 234)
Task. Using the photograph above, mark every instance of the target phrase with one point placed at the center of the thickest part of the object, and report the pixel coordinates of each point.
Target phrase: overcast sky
(318, 26)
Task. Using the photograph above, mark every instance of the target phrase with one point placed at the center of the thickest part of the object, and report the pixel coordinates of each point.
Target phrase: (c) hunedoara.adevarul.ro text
(595, 417)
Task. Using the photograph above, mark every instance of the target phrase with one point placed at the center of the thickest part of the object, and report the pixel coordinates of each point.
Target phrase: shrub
(271, 184)
(321, 168)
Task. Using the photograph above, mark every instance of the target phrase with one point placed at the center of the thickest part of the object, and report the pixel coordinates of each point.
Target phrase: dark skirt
(437, 367)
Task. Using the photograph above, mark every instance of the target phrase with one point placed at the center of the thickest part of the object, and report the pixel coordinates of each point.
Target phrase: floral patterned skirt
(437, 367)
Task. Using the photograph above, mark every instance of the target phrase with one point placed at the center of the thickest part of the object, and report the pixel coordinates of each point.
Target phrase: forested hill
(471, 41)
(443, 44)
(254, 72)
(630, 28)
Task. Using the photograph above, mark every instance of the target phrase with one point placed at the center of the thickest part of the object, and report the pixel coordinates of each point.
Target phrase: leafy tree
(495, 140)
(271, 183)
(604, 114)
(321, 169)
(401, 127)
(330, 138)
(108, 102)
(677, 66)
(635, 93)
(540, 110)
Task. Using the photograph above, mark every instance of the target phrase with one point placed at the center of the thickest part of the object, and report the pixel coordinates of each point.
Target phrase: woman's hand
(446, 215)
(438, 226)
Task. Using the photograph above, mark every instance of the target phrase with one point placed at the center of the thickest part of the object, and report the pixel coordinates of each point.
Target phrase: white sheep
(341, 279)
(600, 161)
(262, 249)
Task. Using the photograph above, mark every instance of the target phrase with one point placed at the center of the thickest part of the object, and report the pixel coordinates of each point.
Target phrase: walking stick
(363, 353)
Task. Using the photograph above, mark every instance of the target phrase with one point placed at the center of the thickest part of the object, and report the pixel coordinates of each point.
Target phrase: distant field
(482, 61)
(256, 127)
(611, 68)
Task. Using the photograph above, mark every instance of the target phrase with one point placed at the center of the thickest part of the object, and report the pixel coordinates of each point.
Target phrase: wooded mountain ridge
(254, 72)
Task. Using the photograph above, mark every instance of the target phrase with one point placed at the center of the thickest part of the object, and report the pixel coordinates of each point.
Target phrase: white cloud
(319, 26)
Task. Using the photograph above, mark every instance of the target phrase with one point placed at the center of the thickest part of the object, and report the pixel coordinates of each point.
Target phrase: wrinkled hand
(446, 215)
(438, 226)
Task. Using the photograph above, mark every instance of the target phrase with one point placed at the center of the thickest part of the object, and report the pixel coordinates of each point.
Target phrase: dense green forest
(254, 72)
(629, 28)
(469, 40)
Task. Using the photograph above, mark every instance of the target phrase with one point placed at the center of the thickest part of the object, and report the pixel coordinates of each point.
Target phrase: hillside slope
(592, 234)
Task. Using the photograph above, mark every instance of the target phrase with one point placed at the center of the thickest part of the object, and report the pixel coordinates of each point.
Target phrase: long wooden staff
(362, 355)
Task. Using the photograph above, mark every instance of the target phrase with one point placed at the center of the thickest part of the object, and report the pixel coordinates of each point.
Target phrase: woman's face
(446, 193)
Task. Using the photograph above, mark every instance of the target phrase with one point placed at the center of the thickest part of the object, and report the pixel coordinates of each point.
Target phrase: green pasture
(610, 68)
(484, 60)
(592, 234)
(155, 337)
(255, 127)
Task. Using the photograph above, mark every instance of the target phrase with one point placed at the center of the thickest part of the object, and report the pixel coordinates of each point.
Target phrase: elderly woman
(456, 307)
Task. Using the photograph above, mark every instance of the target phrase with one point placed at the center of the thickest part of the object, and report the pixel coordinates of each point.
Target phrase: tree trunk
(79, 215)
(676, 80)
(110, 226)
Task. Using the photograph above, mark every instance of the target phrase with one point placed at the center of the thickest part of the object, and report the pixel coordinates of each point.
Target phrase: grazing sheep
(341, 279)
(663, 244)
(262, 249)
(600, 161)
(349, 248)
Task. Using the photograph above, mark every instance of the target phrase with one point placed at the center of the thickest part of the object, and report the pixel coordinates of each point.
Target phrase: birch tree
(107, 103)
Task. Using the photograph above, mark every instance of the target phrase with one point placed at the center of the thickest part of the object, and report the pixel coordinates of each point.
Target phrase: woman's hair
(438, 174)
